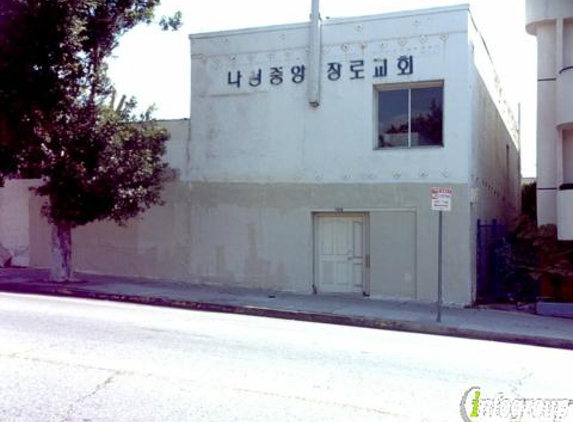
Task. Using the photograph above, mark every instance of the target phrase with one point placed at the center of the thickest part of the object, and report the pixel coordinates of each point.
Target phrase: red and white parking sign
(442, 199)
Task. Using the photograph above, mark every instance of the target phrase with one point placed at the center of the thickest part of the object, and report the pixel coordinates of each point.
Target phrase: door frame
(365, 246)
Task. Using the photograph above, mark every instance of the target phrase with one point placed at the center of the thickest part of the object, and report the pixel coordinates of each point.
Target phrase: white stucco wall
(495, 151)
(551, 22)
(15, 214)
(177, 149)
(494, 179)
(268, 144)
(255, 164)
(270, 133)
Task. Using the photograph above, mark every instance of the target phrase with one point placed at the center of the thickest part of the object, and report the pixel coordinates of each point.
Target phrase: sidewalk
(477, 323)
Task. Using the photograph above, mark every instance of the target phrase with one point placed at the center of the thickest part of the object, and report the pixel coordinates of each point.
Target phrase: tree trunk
(61, 252)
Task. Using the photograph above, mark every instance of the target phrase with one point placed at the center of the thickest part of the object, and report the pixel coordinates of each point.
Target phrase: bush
(533, 256)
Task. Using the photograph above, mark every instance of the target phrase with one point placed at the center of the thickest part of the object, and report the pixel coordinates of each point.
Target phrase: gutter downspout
(314, 55)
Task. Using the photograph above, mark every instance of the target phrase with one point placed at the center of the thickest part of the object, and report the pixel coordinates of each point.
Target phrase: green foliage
(529, 200)
(537, 253)
(533, 256)
(114, 171)
(56, 123)
(171, 22)
(429, 125)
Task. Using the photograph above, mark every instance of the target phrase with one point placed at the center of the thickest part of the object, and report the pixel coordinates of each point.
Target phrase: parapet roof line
(332, 21)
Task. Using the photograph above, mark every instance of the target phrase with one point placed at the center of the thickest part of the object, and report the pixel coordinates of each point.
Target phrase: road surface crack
(95, 391)
(25, 354)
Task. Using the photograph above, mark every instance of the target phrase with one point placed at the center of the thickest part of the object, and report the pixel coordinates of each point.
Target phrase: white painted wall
(494, 178)
(177, 149)
(15, 212)
(550, 22)
(495, 149)
(271, 134)
(260, 162)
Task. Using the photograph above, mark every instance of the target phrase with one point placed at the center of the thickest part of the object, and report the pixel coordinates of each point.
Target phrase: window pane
(393, 118)
(427, 116)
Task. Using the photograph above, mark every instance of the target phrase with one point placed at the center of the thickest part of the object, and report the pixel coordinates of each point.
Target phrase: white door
(340, 254)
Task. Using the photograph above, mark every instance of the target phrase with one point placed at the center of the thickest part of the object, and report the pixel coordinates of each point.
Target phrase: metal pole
(314, 55)
(440, 226)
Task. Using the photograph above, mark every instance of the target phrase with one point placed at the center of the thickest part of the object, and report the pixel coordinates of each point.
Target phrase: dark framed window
(411, 116)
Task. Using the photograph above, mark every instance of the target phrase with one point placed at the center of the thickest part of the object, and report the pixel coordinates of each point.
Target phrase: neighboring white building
(551, 21)
(310, 156)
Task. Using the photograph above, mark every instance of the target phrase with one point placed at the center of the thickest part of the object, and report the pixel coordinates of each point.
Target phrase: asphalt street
(80, 360)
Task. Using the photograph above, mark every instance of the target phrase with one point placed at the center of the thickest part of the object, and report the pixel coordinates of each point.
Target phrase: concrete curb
(325, 318)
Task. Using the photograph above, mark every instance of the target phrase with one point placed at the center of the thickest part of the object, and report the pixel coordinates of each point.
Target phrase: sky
(154, 66)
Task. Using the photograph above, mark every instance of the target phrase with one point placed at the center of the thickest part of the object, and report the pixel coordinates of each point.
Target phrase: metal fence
(489, 241)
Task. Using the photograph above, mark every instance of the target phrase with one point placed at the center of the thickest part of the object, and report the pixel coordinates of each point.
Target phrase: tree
(529, 201)
(58, 121)
(429, 125)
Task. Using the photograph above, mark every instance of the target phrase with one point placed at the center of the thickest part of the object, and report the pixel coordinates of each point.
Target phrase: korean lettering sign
(335, 71)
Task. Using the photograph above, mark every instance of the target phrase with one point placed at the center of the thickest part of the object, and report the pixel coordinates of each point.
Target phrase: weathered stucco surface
(15, 214)
(259, 235)
(270, 133)
(254, 166)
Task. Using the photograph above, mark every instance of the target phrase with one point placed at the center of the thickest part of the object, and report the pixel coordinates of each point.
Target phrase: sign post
(441, 201)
